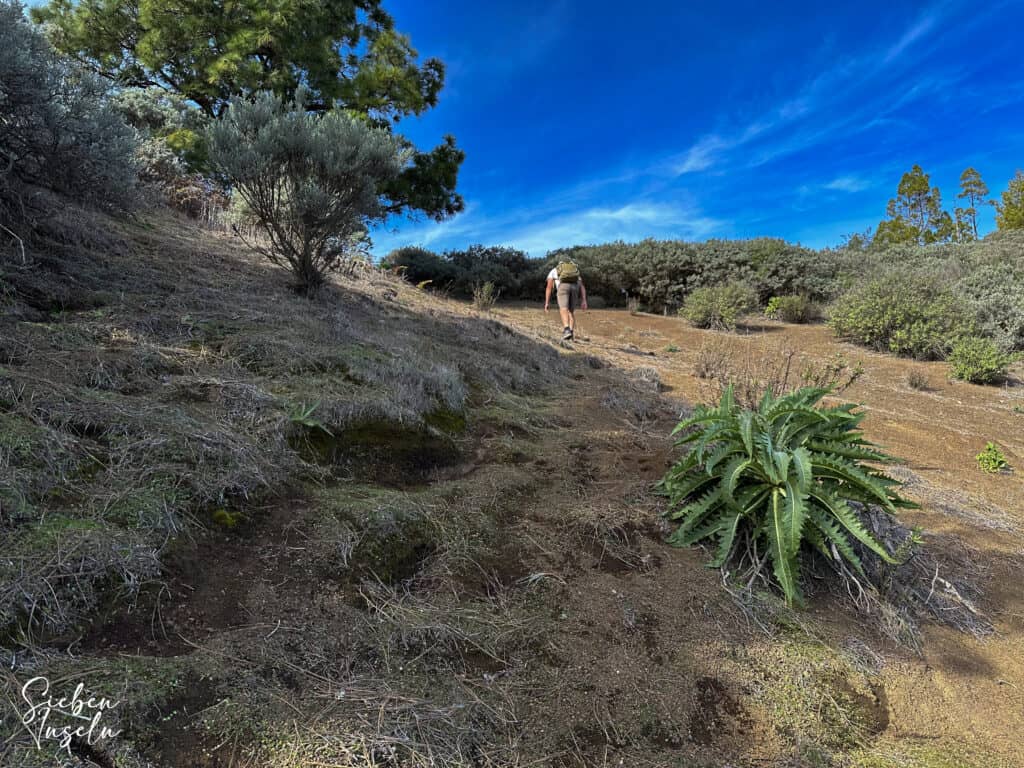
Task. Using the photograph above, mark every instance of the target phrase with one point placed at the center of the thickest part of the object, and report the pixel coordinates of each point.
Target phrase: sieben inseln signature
(65, 719)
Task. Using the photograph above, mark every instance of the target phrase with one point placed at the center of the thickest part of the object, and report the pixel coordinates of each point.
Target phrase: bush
(911, 317)
(485, 297)
(312, 181)
(777, 480)
(996, 292)
(512, 272)
(978, 361)
(719, 307)
(792, 309)
(992, 459)
(173, 155)
(917, 379)
(57, 130)
(419, 265)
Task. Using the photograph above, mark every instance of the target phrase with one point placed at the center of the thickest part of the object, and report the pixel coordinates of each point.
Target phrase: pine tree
(343, 54)
(1010, 211)
(915, 214)
(974, 191)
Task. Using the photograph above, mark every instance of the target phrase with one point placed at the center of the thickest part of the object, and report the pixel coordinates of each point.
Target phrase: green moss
(814, 697)
(145, 507)
(379, 450)
(20, 439)
(446, 420)
(227, 518)
(931, 755)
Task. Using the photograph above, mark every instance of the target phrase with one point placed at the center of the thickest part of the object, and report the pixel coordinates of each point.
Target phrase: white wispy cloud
(630, 223)
(847, 184)
(917, 31)
(813, 114)
(701, 155)
(539, 234)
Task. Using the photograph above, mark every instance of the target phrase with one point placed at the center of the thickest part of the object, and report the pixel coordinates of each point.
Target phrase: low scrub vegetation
(773, 485)
(719, 307)
(769, 367)
(485, 296)
(312, 181)
(908, 317)
(58, 130)
(978, 360)
(792, 309)
(917, 379)
(992, 459)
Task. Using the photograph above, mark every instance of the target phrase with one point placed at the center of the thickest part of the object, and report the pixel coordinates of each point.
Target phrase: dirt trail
(546, 623)
(963, 690)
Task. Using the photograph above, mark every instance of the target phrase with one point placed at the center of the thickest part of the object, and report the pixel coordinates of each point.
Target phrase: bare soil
(961, 690)
(511, 602)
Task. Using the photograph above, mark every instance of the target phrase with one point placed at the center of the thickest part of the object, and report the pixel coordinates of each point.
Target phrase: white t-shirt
(553, 275)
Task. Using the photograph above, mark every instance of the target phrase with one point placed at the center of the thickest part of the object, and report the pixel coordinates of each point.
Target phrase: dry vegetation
(380, 529)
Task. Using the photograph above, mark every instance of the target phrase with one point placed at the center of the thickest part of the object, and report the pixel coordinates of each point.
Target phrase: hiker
(567, 282)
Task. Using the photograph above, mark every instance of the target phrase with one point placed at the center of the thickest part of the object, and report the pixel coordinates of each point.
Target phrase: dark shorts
(568, 296)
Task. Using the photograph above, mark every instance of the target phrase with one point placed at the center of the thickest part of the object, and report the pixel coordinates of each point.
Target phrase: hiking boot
(567, 334)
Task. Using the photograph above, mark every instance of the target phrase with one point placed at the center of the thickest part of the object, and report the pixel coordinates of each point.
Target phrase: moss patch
(378, 450)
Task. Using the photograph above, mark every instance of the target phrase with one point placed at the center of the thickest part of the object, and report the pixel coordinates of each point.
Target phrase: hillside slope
(378, 529)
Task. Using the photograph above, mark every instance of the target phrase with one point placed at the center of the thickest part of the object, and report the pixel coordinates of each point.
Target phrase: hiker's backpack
(567, 272)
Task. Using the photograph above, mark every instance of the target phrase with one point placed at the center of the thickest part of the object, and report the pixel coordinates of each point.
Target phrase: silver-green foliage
(996, 292)
(777, 480)
(57, 129)
(312, 181)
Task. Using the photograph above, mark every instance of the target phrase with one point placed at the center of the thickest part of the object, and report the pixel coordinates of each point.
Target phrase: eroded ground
(494, 591)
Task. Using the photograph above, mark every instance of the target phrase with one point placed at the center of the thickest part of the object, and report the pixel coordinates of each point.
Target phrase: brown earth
(963, 690)
(630, 652)
(512, 603)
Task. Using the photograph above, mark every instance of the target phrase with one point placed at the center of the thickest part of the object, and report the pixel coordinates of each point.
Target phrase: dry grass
(917, 379)
(752, 369)
(145, 385)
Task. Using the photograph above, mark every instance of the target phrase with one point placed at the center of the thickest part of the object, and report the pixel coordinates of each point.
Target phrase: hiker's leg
(565, 304)
(574, 302)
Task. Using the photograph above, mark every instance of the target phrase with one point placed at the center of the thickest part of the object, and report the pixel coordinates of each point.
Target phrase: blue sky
(588, 122)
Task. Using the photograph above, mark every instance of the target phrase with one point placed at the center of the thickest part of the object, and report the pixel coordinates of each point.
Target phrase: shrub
(312, 181)
(911, 317)
(57, 130)
(419, 264)
(917, 379)
(992, 459)
(996, 292)
(792, 309)
(485, 297)
(777, 480)
(719, 307)
(978, 361)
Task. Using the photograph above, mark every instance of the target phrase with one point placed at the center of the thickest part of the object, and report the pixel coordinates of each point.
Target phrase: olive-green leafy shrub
(792, 309)
(720, 306)
(911, 317)
(992, 459)
(978, 361)
(776, 480)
